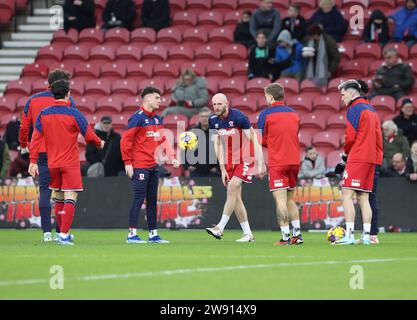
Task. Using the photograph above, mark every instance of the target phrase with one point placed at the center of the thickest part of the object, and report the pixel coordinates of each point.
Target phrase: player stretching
(33, 107)
(139, 146)
(363, 149)
(280, 125)
(58, 126)
(234, 131)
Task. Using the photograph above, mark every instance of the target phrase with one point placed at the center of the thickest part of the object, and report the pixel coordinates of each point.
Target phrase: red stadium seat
(312, 123)
(67, 38)
(143, 36)
(177, 5)
(76, 53)
(117, 37)
(223, 36)
(113, 71)
(19, 87)
(334, 83)
(231, 86)
(257, 85)
(222, 6)
(171, 121)
(184, 20)
(346, 51)
(21, 103)
(219, 69)
(194, 120)
(326, 142)
(231, 18)
(349, 3)
(169, 37)
(240, 69)
(154, 53)
(234, 53)
(109, 104)
(368, 50)
(198, 67)
(304, 138)
(141, 70)
(327, 104)
(310, 4)
(154, 83)
(207, 53)
(88, 70)
(383, 105)
(131, 103)
(212, 86)
(67, 66)
(245, 103)
(402, 49)
(180, 54)
(129, 53)
(290, 86)
(333, 158)
(7, 104)
(281, 4)
(102, 54)
(413, 52)
(413, 66)
(169, 85)
(310, 86)
(198, 4)
(194, 36)
(301, 103)
(375, 65)
(7, 10)
(97, 88)
(124, 87)
(355, 69)
(248, 4)
(337, 123)
(86, 105)
(35, 70)
(91, 36)
(50, 54)
(383, 5)
(413, 98)
(77, 86)
(166, 70)
(210, 19)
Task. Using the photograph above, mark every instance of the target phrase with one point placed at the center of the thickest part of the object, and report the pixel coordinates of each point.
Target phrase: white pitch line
(202, 270)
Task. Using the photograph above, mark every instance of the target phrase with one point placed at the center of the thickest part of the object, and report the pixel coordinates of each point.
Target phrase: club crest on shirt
(156, 121)
(216, 125)
(146, 121)
(231, 124)
(141, 176)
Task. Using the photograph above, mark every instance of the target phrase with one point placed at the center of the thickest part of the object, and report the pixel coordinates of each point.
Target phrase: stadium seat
(326, 142)
(102, 54)
(402, 49)
(7, 104)
(172, 120)
(413, 52)
(169, 85)
(223, 36)
(198, 4)
(231, 86)
(291, 86)
(50, 54)
(154, 53)
(154, 83)
(194, 120)
(97, 88)
(87, 70)
(207, 53)
(139, 70)
(368, 50)
(334, 83)
(67, 38)
(39, 86)
(113, 71)
(129, 53)
(117, 37)
(383, 5)
(231, 18)
(7, 11)
(413, 66)
(180, 54)
(327, 104)
(310, 86)
(210, 19)
(245, 104)
(307, 4)
(223, 7)
(374, 66)
(178, 5)
(124, 88)
(86, 105)
(413, 98)
(131, 104)
(21, 103)
(383, 105)
(169, 37)
(336, 123)
(333, 158)
(35, 70)
(76, 53)
(257, 85)
(248, 5)
(312, 123)
(143, 37)
(219, 69)
(166, 70)
(194, 36)
(354, 69)
(304, 138)
(18, 87)
(212, 86)
(346, 51)
(197, 66)
(111, 104)
(91, 36)
(349, 3)
(300, 103)
(77, 87)
(184, 20)
(240, 69)
(234, 53)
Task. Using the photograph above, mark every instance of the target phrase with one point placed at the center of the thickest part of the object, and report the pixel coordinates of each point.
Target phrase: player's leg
(139, 187)
(363, 198)
(151, 207)
(233, 188)
(242, 217)
(45, 197)
(349, 209)
(58, 196)
(282, 214)
(373, 201)
(59, 199)
(294, 216)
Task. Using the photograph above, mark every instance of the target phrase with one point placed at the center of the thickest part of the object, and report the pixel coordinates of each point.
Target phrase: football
(187, 140)
(335, 234)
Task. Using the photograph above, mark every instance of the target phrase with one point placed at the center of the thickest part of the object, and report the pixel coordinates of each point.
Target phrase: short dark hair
(276, 91)
(149, 90)
(58, 74)
(307, 149)
(204, 109)
(60, 88)
(314, 30)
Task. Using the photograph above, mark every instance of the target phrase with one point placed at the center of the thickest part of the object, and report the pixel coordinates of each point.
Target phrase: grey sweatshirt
(270, 20)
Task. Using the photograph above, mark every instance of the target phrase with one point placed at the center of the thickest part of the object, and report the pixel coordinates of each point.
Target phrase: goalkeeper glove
(341, 165)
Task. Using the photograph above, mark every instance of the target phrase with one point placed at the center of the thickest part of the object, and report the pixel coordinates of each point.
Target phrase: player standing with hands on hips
(139, 146)
(363, 151)
(280, 125)
(59, 126)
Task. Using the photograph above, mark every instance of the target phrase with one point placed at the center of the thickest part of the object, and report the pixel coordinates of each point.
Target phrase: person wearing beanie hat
(407, 120)
(377, 29)
(288, 61)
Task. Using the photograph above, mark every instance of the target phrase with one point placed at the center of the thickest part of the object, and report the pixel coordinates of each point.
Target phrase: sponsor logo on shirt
(152, 134)
(225, 132)
(356, 183)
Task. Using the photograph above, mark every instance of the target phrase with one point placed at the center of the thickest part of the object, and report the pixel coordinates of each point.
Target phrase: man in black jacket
(110, 156)
(155, 14)
(119, 13)
(407, 120)
(295, 23)
(79, 14)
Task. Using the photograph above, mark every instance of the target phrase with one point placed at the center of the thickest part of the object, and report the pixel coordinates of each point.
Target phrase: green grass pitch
(197, 266)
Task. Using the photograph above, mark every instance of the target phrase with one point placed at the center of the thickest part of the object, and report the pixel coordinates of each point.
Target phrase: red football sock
(68, 217)
(59, 206)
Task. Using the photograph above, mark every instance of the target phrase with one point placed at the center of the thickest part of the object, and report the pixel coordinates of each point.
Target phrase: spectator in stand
(330, 18)
(4, 159)
(407, 120)
(210, 166)
(394, 78)
(266, 19)
(11, 135)
(295, 23)
(79, 14)
(242, 33)
(289, 61)
(155, 14)
(261, 59)
(323, 55)
(405, 21)
(312, 167)
(397, 169)
(107, 161)
(119, 14)
(393, 142)
(412, 163)
(189, 95)
(377, 29)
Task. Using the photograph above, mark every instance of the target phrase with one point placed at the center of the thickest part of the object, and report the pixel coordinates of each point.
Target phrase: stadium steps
(23, 45)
